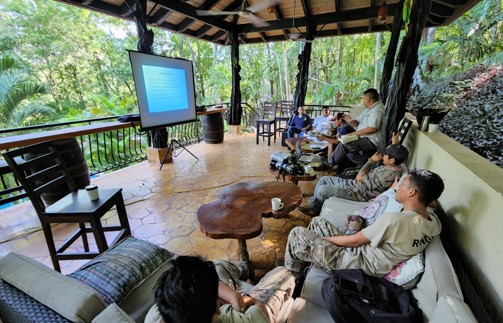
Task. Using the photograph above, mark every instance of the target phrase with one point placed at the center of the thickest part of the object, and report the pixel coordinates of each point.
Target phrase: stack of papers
(348, 138)
(318, 146)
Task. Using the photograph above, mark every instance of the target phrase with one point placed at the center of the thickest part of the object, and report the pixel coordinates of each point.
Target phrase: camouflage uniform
(307, 246)
(273, 290)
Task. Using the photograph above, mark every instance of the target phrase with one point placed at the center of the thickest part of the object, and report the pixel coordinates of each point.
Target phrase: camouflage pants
(306, 245)
(329, 186)
(273, 290)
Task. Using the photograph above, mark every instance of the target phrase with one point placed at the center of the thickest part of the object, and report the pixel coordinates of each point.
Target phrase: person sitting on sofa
(300, 124)
(367, 185)
(191, 290)
(393, 238)
(343, 128)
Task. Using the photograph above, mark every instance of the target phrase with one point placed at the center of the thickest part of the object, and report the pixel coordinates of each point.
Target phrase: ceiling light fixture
(382, 14)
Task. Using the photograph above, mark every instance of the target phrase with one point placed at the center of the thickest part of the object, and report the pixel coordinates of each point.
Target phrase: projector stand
(172, 148)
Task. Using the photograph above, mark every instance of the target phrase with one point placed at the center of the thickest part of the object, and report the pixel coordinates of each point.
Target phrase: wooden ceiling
(331, 17)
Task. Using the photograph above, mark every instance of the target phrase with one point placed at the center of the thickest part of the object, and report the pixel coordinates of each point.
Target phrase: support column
(389, 61)
(235, 110)
(145, 41)
(406, 65)
(303, 65)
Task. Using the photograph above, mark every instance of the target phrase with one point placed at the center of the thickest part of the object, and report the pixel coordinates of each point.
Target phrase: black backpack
(351, 296)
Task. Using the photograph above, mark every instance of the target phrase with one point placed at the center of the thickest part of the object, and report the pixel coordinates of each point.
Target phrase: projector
(280, 157)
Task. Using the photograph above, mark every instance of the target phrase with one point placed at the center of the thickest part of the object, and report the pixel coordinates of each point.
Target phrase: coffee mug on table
(276, 204)
(92, 191)
(308, 169)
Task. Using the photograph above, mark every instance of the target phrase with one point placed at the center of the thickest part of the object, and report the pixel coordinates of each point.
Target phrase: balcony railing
(106, 143)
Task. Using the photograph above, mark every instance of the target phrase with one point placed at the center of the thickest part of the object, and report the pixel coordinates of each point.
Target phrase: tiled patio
(162, 205)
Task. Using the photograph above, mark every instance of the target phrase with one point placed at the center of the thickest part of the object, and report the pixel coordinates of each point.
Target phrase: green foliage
(17, 91)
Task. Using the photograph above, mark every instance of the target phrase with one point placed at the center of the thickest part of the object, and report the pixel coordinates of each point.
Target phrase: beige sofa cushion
(71, 299)
(452, 310)
(438, 279)
(113, 314)
(305, 312)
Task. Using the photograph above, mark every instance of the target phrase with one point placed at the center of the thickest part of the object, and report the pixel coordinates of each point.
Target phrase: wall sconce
(382, 14)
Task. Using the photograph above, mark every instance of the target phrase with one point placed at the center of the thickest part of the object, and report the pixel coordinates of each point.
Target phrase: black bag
(351, 296)
(130, 118)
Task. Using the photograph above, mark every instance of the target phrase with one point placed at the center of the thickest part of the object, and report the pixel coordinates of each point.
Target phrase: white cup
(308, 169)
(92, 191)
(276, 204)
(432, 127)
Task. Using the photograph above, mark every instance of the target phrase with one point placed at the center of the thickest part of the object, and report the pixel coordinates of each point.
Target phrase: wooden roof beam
(371, 21)
(441, 10)
(263, 36)
(187, 22)
(450, 3)
(338, 9)
(327, 18)
(125, 8)
(160, 16)
(190, 11)
(233, 6)
(305, 7)
(217, 35)
(279, 16)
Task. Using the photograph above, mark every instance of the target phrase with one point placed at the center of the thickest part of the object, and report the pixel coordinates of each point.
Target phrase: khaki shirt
(372, 117)
(395, 237)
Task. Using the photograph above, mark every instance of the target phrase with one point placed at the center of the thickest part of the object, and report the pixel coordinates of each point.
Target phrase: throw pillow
(116, 272)
(408, 273)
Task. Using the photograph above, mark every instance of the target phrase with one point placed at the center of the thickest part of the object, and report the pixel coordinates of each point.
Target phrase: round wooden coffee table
(238, 211)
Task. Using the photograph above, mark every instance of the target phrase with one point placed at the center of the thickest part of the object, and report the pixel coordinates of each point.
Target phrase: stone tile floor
(162, 205)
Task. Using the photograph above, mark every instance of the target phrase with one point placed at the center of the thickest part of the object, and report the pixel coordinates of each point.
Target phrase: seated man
(300, 124)
(192, 290)
(343, 128)
(367, 185)
(322, 123)
(368, 123)
(393, 238)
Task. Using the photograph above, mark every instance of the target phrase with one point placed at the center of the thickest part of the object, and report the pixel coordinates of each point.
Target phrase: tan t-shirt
(394, 237)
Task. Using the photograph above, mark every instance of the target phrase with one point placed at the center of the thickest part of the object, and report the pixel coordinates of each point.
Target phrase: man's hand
(320, 138)
(376, 157)
(347, 117)
(394, 138)
(250, 301)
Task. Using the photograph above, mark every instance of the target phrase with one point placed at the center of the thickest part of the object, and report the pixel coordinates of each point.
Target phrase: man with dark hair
(343, 128)
(192, 291)
(300, 124)
(367, 185)
(393, 238)
(369, 124)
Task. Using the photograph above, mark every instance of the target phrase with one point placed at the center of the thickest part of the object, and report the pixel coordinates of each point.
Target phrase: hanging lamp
(382, 14)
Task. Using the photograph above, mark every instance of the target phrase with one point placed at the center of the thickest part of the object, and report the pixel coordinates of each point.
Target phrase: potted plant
(436, 109)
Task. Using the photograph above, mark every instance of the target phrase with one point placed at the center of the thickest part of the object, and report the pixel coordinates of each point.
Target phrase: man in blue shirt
(342, 127)
(300, 124)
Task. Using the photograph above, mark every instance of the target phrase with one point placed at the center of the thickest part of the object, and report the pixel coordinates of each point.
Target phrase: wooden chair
(285, 112)
(6, 188)
(40, 175)
(267, 119)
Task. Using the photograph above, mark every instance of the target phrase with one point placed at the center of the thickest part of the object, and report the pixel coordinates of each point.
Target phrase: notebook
(308, 158)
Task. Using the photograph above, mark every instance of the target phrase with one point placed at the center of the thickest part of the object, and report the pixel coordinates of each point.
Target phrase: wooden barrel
(74, 160)
(213, 128)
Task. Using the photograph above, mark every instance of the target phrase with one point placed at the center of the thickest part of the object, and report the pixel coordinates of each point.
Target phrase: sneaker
(309, 210)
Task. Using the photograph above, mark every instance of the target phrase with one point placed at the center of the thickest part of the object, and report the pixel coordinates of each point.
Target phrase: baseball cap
(398, 152)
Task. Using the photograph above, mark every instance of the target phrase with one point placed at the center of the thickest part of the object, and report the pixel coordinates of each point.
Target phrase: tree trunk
(280, 79)
(287, 76)
(352, 67)
(235, 110)
(193, 56)
(339, 57)
(180, 40)
(389, 62)
(407, 63)
(376, 58)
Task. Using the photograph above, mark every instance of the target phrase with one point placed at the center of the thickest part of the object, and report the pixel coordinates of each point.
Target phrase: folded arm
(351, 241)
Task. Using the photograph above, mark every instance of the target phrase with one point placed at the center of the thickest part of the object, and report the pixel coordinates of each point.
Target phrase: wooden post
(406, 65)
(389, 62)
(235, 109)
(145, 41)
(303, 65)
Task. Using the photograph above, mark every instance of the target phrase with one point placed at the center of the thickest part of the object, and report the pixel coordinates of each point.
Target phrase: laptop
(301, 158)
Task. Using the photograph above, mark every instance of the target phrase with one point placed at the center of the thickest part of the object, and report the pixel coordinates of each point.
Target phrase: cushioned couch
(438, 292)
(33, 292)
